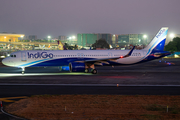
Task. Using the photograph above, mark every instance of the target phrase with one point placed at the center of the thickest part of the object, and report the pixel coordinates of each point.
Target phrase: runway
(151, 78)
(28, 90)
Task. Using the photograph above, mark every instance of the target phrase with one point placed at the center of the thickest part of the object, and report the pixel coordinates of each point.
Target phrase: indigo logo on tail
(160, 33)
(40, 55)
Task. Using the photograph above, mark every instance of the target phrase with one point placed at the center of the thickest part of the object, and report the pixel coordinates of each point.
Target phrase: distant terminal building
(122, 39)
(114, 38)
(9, 37)
(32, 37)
(72, 40)
(87, 39)
(62, 38)
(107, 37)
(133, 39)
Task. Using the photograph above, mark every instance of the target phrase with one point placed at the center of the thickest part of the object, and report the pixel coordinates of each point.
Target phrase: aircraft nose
(4, 61)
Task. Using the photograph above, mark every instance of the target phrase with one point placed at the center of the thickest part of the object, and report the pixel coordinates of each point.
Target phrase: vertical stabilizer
(159, 41)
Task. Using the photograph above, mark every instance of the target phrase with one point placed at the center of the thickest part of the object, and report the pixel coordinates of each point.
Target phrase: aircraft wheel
(94, 71)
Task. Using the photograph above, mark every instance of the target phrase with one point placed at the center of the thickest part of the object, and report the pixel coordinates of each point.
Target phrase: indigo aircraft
(86, 60)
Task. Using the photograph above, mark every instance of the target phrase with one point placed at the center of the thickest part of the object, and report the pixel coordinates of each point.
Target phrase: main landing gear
(23, 70)
(94, 71)
(89, 70)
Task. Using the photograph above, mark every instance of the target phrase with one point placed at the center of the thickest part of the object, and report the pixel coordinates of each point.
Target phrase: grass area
(98, 107)
(151, 117)
(155, 107)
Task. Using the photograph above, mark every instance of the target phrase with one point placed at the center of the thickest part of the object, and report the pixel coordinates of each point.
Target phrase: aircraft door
(23, 56)
(80, 55)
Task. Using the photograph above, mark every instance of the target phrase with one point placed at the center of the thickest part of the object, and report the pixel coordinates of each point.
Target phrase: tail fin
(159, 40)
(61, 46)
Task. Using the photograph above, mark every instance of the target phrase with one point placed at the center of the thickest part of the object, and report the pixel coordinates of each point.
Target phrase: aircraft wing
(104, 60)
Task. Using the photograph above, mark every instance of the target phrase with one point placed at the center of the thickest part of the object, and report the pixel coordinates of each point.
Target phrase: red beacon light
(121, 56)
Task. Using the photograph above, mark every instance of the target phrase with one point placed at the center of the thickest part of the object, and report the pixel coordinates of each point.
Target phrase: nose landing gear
(23, 70)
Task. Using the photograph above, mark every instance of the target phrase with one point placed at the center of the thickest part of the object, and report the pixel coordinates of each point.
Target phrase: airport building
(107, 37)
(62, 38)
(114, 38)
(87, 39)
(32, 37)
(13, 42)
(133, 39)
(9, 37)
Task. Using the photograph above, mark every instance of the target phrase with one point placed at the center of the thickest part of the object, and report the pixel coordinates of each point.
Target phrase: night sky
(69, 17)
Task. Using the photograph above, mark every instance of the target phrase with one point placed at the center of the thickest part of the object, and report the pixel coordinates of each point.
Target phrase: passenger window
(14, 55)
(11, 55)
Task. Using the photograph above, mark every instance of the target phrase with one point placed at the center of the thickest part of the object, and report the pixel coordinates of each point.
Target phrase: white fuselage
(31, 58)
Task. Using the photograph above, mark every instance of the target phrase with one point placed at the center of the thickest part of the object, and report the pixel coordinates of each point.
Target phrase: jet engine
(63, 68)
(76, 67)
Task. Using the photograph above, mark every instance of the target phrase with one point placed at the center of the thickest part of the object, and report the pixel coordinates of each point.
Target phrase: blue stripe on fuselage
(53, 62)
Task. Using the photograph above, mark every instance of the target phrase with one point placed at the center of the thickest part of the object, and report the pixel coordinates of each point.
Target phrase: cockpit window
(13, 55)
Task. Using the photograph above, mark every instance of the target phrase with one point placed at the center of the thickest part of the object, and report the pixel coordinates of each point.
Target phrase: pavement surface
(159, 77)
(158, 72)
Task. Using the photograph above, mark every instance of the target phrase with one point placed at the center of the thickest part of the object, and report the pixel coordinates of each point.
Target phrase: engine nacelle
(64, 68)
(76, 67)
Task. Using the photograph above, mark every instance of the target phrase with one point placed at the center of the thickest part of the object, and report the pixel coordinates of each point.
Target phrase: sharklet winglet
(129, 53)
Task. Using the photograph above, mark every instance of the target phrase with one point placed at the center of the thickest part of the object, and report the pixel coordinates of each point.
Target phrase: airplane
(86, 60)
